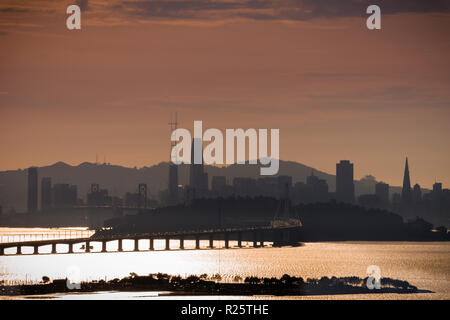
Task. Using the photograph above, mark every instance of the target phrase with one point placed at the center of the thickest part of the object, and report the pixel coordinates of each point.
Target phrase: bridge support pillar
(88, 246)
(197, 243)
(167, 244)
(19, 250)
(181, 243)
(36, 250)
(136, 244)
(2, 251)
(70, 247)
(54, 248)
(211, 241)
(255, 240)
(119, 245)
(151, 244)
(104, 246)
(227, 241)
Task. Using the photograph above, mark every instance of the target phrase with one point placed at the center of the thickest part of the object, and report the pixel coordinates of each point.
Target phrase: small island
(212, 285)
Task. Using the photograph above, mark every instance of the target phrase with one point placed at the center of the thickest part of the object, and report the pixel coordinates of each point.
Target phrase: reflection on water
(425, 265)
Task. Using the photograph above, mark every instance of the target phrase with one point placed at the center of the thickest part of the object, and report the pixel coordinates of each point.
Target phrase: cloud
(13, 10)
(83, 4)
(295, 10)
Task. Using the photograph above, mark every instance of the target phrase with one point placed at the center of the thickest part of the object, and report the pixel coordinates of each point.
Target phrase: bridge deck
(155, 235)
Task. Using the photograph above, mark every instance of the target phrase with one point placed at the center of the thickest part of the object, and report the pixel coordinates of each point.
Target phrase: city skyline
(356, 177)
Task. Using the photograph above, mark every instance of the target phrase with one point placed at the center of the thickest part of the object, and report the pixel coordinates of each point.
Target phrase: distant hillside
(119, 180)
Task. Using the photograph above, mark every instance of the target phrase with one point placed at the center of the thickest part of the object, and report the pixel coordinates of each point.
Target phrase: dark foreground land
(204, 285)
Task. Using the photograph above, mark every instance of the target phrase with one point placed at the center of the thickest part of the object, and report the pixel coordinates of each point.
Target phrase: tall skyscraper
(32, 203)
(46, 193)
(382, 192)
(318, 189)
(406, 190)
(198, 177)
(173, 169)
(417, 194)
(345, 188)
(64, 195)
(173, 184)
(218, 184)
(142, 195)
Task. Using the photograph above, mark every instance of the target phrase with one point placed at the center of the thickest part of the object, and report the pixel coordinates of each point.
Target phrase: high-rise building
(64, 195)
(382, 192)
(417, 194)
(345, 188)
(406, 190)
(437, 188)
(173, 168)
(98, 197)
(218, 184)
(46, 193)
(142, 195)
(173, 184)
(318, 189)
(32, 203)
(198, 177)
(244, 187)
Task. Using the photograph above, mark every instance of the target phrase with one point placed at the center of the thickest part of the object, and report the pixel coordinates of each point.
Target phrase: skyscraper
(382, 192)
(46, 193)
(142, 195)
(173, 168)
(198, 178)
(345, 188)
(173, 184)
(32, 189)
(406, 190)
(64, 195)
(417, 194)
(318, 189)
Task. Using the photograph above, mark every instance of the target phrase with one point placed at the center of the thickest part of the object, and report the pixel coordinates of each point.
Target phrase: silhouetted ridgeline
(204, 285)
(330, 221)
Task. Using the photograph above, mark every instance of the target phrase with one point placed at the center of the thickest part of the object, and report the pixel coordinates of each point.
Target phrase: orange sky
(334, 89)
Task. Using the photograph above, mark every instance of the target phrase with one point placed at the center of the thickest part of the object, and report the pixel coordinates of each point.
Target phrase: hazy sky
(335, 89)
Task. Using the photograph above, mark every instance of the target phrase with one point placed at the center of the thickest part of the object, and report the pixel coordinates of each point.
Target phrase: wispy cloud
(295, 10)
(217, 11)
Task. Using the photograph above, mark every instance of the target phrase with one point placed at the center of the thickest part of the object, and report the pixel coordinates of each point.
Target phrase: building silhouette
(345, 188)
(382, 192)
(218, 185)
(32, 202)
(64, 195)
(406, 189)
(318, 188)
(172, 188)
(46, 193)
(142, 195)
(416, 194)
(198, 177)
(98, 197)
(244, 187)
(173, 184)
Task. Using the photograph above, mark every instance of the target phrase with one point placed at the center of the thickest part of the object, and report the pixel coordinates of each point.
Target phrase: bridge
(279, 232)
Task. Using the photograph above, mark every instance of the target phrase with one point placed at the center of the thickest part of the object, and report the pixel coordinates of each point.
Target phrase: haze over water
(423, 264)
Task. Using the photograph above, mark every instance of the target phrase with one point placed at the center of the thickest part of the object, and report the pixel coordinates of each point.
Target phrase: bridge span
(280, 235)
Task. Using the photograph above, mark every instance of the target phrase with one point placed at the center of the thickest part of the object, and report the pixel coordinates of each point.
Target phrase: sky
(312, 69)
